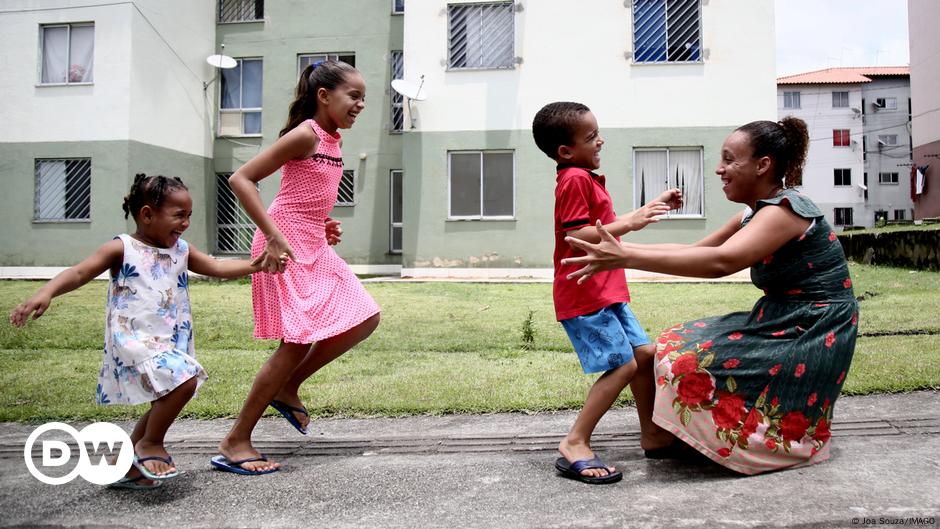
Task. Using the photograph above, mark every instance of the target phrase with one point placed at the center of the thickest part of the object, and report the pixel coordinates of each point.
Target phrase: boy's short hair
(554, 125)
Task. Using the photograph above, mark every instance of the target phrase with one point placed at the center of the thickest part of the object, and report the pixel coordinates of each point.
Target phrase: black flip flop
(573, 471)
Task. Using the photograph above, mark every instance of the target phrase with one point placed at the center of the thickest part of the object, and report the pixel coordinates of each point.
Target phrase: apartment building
(925, 106)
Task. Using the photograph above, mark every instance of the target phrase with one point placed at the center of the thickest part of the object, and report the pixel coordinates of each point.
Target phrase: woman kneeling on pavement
(753, 391)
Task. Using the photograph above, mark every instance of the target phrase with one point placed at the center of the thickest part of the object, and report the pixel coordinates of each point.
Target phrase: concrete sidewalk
(497, 471)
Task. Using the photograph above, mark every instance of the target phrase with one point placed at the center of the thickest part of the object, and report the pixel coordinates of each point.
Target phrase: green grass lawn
(441, 347)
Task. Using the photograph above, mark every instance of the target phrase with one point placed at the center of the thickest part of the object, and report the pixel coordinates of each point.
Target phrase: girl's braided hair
(149, 191)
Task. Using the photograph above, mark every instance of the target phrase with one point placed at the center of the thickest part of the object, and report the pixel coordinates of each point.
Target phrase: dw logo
(97, 443)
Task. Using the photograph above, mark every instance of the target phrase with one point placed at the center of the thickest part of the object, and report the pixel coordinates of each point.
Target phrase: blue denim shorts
(605, 339)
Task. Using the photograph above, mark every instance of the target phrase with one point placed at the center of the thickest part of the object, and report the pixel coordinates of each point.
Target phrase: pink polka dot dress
(317, 296)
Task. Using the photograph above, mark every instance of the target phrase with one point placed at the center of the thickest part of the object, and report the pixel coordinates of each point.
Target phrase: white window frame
(392, 225)
(848, 135)
(886, 104)
(241, 20)
(241, 110)
(789, 97)
(633, 22)
(512, 37)
(395, 10)
(349, 175)
(667, 150)
(888, 140)
(841, 93)
(889, 178)
(335, 56)
(68, 52)
(481, 216)
(846, 170)
(43, 189)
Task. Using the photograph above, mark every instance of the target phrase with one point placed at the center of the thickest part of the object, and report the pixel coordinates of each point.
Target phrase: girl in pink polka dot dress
(312, 302)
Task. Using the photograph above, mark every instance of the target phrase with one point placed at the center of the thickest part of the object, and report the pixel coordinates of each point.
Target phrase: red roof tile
(862, 74)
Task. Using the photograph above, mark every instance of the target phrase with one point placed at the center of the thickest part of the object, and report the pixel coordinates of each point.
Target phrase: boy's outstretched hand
(671, 197)
(645, 215)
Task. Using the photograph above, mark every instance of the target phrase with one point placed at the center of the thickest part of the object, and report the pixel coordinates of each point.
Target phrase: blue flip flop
(573, 471)
(288, 411)
(139, 463)
(223, 463)
(134, 483)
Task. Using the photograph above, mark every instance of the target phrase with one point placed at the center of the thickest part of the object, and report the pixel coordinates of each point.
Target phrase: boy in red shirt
(595, 314)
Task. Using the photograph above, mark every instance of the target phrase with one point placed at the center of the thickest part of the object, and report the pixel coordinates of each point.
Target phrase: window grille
(667, 31)
(347, 185)
(63, 189)
(397, 119)
(234, 227)
(241, 10)
(481, 35)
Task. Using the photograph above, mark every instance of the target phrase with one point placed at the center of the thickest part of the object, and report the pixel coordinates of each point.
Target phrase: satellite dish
(410, 90)
(221, 61)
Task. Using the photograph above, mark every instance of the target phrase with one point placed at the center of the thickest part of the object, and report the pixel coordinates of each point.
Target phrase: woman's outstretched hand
(608, 254)
(275, 255)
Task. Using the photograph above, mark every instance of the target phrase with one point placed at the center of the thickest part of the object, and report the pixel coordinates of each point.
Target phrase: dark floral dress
(754, 391)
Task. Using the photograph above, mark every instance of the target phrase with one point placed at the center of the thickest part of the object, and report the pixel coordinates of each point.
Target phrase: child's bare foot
(577, 450)
(144, 450)
(239, 450)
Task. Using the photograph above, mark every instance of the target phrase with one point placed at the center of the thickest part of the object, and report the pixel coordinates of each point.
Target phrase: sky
(818, 34)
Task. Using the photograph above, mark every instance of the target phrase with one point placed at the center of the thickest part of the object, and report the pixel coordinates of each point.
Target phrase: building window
(307, 59)
(655, 170)
(888, 178)
(63, 189)
(899, 214)
(240, 110)
(886, 103)
(843, 216)
(346, 195)
(68, 53)
(241, 10)
(667, 31)
(481, 185)
(840, 100)
(395, 211)
(234, 228)
(840, 137)
(480, 35)
(887, 139)
(398, 7)
(791, 100)
(842, 177)
(397, 116)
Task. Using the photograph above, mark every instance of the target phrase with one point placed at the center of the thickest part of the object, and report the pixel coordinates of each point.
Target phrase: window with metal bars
(309, 58)
(240, 108)
(481, 185)
(480, 35)
(397, 117)
(656, 170)
(234, 228)
(63, 189)
(346, 195)
(68, 53)
(241, 10)
(667, 31)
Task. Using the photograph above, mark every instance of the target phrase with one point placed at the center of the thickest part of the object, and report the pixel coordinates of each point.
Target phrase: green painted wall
(113, 165)
(292, 28)
(430, 240)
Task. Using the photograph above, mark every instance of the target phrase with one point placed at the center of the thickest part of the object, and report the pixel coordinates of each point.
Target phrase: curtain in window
(82, 54)
(232, 87)
(55, 46)
(650, 176)
(685, 169)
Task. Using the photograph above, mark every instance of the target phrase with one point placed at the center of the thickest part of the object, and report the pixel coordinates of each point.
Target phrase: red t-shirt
(580, 200)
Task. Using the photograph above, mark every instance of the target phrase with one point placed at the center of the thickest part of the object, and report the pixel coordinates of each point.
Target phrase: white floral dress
(148, 348)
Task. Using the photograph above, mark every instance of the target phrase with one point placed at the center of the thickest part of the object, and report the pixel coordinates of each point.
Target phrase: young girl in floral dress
(313, 304)
(149, 350)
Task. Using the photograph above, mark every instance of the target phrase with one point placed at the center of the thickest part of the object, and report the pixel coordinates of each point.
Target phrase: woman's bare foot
(293, 400)
(659, 439)
(578, 450)
(238, 450)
